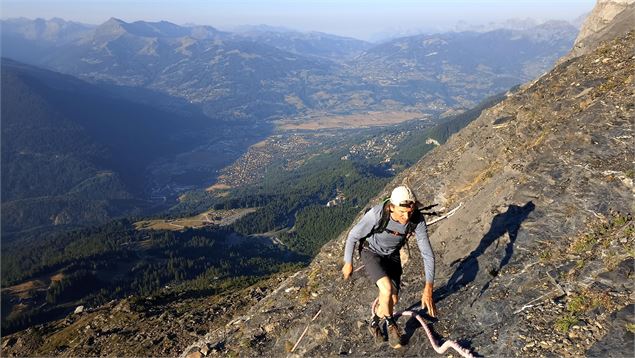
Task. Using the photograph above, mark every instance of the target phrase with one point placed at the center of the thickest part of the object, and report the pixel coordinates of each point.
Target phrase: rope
(305, 330)
(439, 349)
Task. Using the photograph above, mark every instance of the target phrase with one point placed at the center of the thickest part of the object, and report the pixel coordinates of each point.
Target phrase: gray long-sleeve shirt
(386, 243)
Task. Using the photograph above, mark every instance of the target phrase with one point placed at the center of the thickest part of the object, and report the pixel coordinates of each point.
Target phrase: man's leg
(387, 297)
(380, 271)
(375, 271)
(395, 300)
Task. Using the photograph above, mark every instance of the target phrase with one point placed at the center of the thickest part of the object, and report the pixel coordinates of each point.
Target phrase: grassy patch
(601, 299)
(580, 264)
(69, 336)
(620, 220)
(563, 324)
(311, 286)
(479, 179)
(609, 240)
(611, 262)
(578, 304)
(583, 244)
(545, 256)
(581, 304)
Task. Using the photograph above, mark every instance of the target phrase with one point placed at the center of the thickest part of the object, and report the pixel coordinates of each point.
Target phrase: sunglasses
(407, 204)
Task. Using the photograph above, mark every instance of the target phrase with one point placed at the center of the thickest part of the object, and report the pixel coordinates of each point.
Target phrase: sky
(353, 18)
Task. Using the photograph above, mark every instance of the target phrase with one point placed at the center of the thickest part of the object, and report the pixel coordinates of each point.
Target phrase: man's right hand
(347, 270)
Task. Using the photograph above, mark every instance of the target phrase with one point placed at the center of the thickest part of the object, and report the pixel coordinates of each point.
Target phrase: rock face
(609, 19)
(536, 261)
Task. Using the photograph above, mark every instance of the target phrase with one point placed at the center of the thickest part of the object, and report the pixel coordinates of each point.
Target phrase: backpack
(415, 219)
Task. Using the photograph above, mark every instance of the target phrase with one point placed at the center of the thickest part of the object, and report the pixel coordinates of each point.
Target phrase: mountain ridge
(293, 74)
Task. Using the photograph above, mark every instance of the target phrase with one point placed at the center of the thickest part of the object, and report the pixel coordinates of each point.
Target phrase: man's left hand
(427, 301)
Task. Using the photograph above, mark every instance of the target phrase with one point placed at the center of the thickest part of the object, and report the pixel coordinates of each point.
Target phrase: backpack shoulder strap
(380, 226)
(384, 219)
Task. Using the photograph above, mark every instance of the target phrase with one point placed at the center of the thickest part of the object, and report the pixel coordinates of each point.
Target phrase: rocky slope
(157, 326)
(538, 260)
(608, 19)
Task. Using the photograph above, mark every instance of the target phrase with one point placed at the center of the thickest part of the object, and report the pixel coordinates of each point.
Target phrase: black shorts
(378, 266)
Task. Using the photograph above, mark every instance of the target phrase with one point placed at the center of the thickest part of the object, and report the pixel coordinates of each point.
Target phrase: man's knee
(385, 287)
(385, 291)
(395, 299)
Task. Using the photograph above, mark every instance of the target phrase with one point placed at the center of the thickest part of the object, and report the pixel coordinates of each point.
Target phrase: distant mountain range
(454, 69)
(264, 73)
(317, 44)
(465, 26)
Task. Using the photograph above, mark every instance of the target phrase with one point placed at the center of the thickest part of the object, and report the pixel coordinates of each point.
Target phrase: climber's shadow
(467, 269)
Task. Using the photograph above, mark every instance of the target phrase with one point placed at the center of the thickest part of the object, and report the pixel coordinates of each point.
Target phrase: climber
(381, 233)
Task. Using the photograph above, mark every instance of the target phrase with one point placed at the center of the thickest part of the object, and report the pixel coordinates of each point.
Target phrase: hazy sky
(360, 19)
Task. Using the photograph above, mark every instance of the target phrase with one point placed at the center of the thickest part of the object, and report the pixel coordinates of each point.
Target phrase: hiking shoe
(394, 335)
(375, 330)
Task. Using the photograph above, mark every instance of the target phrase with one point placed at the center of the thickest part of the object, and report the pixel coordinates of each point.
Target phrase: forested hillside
(73, 154)
(94, 266)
